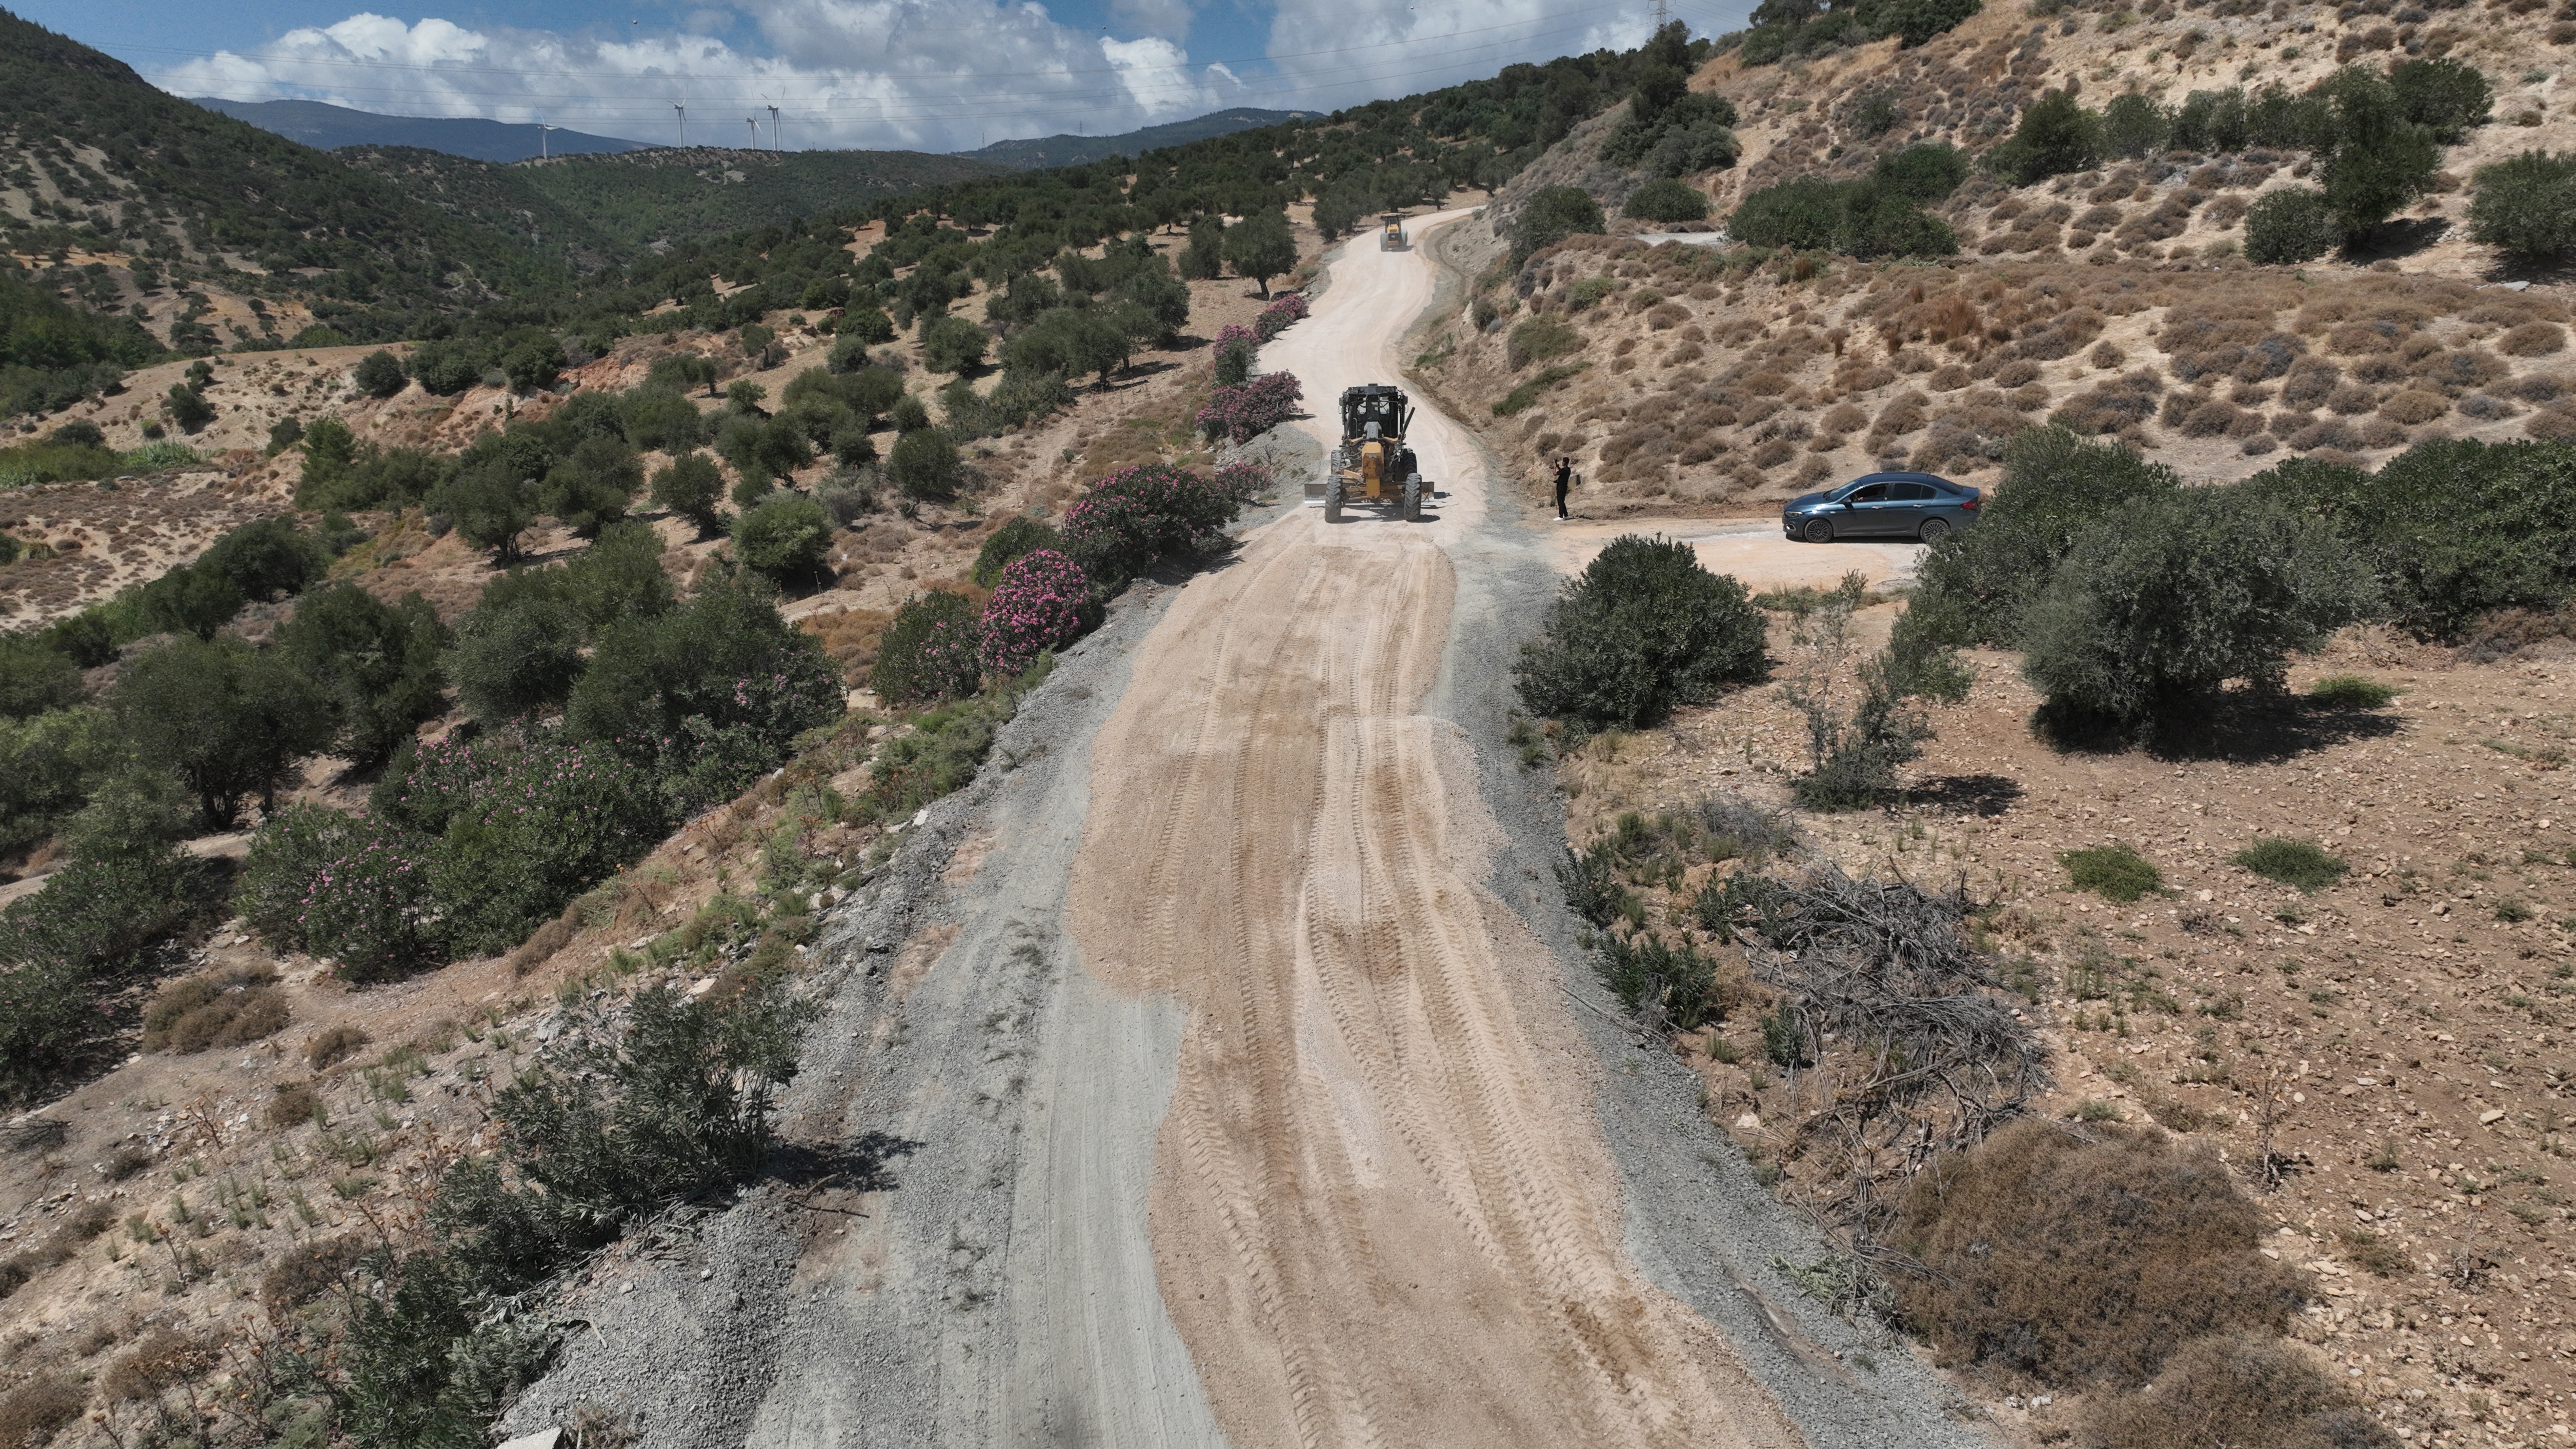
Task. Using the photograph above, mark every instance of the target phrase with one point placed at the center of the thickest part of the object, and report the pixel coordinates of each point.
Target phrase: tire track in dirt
(1381, 1211)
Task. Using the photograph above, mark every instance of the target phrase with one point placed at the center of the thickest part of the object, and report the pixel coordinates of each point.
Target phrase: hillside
(674, 194)
(1062, 150)
(2113, 297)
(328, 128)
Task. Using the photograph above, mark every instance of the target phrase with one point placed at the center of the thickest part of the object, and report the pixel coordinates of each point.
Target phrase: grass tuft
(2351, 691)
(2299, 863)
(2113, 872)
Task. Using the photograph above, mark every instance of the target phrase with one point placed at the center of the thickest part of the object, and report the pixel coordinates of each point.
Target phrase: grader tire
(1413, 498)
(1333, 499)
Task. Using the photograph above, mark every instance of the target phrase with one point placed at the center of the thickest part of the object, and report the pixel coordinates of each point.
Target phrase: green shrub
(62, 948)
(2056, 489)
(689, 488)
(491, 502)
(932, 650)
(188, 409)
(1929, 172)
(380, 374)
(588, 488)
(2527, 206)
(2351, 691)
(1143, 515)
(2187, 589)
(715, 691)
(1532, 389)
(2113, 872)
(925, 465)
(1551, 215)
(1260, 247)
(2453, 528)
(35, 677)
(2055, 136)
(2083, 1261)
(377, 663)
(1021, 535)
(2292, 224)
(1643, 629)
(864, 326)
(2445, 97)
(952, 344)
(1878, 215)
(515, 657)
(1540, 338)
(48, 762)
(1802, 215)
(1674, 981)
(2299, 863)
(2379, 161)
(226, 719)
(784, 538)
(350, 887)
(2134, 126)
(1666, 201)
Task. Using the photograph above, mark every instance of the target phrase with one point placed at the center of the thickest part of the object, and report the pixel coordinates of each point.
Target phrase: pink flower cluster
(1039, 604)
(952, 658)
(1239, 414)
(1145, 512)
(1274, 319)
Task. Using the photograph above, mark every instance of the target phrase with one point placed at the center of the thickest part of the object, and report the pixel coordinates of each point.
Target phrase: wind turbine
(754, 123)
(542, 132)
(683, 108)
(773, 124)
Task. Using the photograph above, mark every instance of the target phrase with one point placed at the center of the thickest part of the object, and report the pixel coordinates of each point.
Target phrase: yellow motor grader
(1390, 237)
(1373, 467)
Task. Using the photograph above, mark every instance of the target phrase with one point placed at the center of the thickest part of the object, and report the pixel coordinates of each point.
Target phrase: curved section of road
(1382, 1213)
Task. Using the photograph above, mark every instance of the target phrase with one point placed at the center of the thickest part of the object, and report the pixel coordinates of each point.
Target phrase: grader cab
(1390, 237)
(1372, 467)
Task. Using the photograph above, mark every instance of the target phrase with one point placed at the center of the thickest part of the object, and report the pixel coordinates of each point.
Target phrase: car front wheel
(1819, 530)
(1933, 529)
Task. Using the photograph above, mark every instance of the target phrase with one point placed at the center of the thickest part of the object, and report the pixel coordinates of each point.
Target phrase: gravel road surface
(1212, 1070)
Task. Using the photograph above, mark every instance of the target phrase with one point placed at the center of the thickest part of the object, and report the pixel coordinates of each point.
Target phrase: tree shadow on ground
(1986, 796)
(859, 1165)
(2244, 727)
(2393, 239)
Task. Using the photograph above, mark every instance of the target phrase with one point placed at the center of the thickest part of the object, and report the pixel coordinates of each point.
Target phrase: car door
(1911, 504)
(1864, 512)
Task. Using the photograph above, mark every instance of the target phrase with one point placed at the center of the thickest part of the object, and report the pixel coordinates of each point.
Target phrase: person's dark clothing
(1564, 480)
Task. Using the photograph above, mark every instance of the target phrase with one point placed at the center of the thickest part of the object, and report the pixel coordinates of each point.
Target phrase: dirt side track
(1228, 1100)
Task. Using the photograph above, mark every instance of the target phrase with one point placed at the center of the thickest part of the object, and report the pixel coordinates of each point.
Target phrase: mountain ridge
(327, 127)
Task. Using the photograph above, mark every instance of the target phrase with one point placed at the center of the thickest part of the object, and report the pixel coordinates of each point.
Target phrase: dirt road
(1379, 1214)
(1206, 1074)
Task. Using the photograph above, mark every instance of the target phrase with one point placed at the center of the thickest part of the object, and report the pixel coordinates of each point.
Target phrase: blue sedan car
(1882, 505)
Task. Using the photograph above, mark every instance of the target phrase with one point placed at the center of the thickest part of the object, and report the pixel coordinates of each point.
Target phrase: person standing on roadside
(1564, 481)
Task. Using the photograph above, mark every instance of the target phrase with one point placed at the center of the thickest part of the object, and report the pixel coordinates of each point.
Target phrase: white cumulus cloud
(872, 73)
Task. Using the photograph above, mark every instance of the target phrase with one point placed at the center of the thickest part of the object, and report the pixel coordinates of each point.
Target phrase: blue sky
(925, 74)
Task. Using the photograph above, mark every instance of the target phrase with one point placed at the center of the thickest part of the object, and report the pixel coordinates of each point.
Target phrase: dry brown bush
(2533, 339)
(2414, 407)
(2122, 402)
(2084, 1260)
(2466, 370)
(293, 1104)
(160, 1360)
(2106, 356)
(1774, 453)
(2016, 372)
(1843, 418)
(2227, 209)
(32, 1412)
(310, 1269)
(2311, 383)
(1901, 416)
(2538, 387)
(2332, 433)
(545, 941)
(335, 1044)
(2553, 424)
(2351, 339)
(2382, 368)
(1666, 316)
(1948, 378)
(225, 1007)
(2235, 1391)
(2351, 400)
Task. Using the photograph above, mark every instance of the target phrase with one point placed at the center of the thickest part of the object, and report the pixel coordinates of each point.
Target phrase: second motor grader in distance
(1372, 467)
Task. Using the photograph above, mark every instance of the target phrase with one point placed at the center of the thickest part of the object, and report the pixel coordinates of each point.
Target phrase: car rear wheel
(1818, 530)
(1933, 529)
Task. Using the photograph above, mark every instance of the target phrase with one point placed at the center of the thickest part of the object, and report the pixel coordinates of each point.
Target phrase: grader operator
(1373, 467)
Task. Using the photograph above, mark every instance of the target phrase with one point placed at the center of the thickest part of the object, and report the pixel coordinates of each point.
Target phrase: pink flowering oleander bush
(1235, 345)
(934, 649)
(1042, 602)
(345, 886)
(1275, 318)
(1243, 482)
(1142, 514)
(1240, 414)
